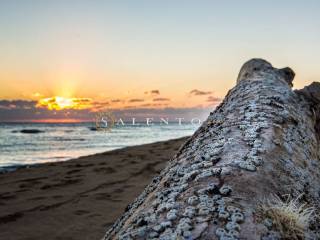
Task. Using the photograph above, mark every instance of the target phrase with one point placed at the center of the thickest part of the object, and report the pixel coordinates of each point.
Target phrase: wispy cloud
(213, 99)
(98, 106)
(116, 100)
(196, 92)
(154, 105)
(136, 100)
(161, 99)
(153, 92)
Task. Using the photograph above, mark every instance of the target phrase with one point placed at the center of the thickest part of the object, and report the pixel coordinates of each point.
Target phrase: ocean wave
(68, 139)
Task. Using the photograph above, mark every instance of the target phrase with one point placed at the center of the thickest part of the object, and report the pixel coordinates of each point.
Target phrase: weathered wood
(260, 142)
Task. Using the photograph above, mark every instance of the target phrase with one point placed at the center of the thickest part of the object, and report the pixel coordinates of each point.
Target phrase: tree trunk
(234, 178)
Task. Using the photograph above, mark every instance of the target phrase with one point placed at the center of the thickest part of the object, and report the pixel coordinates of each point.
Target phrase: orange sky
(117, 53)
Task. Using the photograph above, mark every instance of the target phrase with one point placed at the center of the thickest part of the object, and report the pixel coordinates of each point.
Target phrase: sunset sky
(66, 59)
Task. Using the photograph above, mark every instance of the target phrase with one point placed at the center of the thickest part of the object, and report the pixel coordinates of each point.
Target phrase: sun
(60, 103)
(63, 103)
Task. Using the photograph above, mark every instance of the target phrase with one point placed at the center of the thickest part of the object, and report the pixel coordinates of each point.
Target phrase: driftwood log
(234, 178)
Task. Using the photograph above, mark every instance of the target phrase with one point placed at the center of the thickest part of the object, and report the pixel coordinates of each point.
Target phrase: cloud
(100, 103)
(154, 105)
(82, 100)
(115, 100)
(27, 111)
(161, 99)
(197, 92)
(136, 100)
(17, 104)
(98, 106)
(146, 105)
(153, 92)
(213, 99)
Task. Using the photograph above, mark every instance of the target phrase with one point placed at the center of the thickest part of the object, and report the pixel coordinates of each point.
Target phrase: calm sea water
(60, 142)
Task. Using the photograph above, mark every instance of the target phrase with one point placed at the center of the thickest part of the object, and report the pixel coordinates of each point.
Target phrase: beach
(78, 198)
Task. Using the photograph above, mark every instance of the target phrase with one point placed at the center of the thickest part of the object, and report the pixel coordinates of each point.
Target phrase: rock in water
(231, 179)
(31, 131)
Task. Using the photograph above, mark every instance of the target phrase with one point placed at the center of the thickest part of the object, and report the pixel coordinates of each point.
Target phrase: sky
(70, 59)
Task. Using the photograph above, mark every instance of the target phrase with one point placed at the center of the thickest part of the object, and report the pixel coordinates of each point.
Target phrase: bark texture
(261, 141)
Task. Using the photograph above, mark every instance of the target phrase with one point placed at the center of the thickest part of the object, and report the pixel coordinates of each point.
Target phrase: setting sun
(60, 103)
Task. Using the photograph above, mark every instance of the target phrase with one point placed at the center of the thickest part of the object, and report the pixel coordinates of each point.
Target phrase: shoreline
(15, 167)
(81, 197)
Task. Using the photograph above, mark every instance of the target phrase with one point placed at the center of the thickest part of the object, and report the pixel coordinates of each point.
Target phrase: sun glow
(60, 103)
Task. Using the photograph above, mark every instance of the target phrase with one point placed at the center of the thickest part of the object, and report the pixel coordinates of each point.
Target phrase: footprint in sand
(73, 171)
(11, 217)
(62, 183)
(104, 170)
(81, 212)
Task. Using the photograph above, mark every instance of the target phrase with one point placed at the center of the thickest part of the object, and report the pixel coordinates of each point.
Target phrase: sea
(55, 142)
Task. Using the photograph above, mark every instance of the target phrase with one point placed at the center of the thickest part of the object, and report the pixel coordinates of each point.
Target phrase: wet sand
(79, 198)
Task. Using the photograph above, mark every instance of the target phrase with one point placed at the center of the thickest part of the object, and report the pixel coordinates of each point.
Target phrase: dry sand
(79, 198)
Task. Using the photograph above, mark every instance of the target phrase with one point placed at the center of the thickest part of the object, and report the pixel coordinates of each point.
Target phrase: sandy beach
(79, 198)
